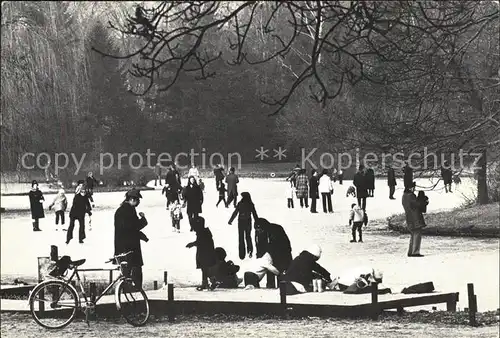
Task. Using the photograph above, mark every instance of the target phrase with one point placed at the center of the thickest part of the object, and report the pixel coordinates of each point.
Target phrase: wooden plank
(417, 301)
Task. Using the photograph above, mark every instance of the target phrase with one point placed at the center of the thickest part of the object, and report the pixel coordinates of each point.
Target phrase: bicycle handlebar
(119, 256)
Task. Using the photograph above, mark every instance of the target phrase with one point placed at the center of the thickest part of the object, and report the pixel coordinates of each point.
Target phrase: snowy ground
(450, 263)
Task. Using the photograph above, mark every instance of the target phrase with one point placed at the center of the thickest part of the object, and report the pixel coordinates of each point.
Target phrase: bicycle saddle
(78, 262)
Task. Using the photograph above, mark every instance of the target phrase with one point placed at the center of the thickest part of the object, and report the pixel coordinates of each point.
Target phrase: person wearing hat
(36, 206)
(128, 234)
(414, 220)
(303, 269)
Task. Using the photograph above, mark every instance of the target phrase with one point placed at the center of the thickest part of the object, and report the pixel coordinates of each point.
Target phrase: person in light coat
(60, 203)
(325, 189)
(259, 268)
(193, 171)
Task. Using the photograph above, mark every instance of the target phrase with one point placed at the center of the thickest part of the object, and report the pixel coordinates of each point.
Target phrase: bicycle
(62, 299)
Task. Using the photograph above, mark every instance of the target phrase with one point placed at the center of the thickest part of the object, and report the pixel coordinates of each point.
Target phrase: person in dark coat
(272, 238)
(232, 187)
(303, 269)
(447, 176)
(292, 177)
(205, 253)
(128, 234)
(172, 178)
(79, 208)
(414, 220)
(407, 176)
(370, 181)
(341, 176)
(157, 171)
(193, 197)
(391, 182)
(360, 182)
(245, 210)
(219, 175)
(36, 206)
(222, 194)
(313, 190)
(90, 183)
(170, 193)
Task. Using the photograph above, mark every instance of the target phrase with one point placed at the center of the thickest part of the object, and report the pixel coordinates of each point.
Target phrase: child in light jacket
(60, 203)
(259, 268)
(176, 215)
(356, 219)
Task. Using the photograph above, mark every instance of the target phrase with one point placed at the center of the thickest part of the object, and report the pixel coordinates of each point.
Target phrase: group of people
(272, 247)
(82, 204)
(192, 195)
(273, 256)
(302, 188)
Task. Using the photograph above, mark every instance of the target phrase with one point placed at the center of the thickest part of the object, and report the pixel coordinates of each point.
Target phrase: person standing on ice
(36, 206)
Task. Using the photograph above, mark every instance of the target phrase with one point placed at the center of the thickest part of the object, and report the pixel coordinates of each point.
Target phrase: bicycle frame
(84, 294)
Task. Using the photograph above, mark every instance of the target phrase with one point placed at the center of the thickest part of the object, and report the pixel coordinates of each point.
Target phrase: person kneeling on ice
(205, 253)
(258, 270)
(303, 269)
(358, 280)
(223, 274)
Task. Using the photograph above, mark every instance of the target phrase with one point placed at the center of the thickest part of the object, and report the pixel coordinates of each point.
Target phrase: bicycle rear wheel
(53, 304)
(132, 303)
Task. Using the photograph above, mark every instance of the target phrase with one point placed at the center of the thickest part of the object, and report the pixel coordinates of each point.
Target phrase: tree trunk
(482, 186)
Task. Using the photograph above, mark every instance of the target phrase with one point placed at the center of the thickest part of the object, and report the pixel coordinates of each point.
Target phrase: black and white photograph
(250, 169)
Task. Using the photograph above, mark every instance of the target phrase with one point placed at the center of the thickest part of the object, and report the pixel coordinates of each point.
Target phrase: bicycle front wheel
(53, 304)
(132, 303)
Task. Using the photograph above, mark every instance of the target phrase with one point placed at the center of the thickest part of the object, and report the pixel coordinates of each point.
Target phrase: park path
(14, 326)
(450, 263)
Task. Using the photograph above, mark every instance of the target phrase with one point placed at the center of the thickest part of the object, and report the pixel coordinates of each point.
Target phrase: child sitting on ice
(259, 268)
(223, 274)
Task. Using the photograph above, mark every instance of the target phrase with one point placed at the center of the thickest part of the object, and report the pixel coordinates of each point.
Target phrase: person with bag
(414, 220)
